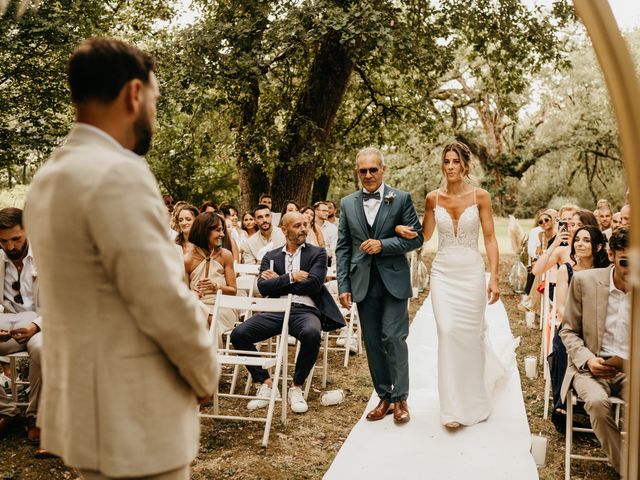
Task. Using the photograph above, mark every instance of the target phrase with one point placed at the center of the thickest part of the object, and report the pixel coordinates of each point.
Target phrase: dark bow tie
(368, 196)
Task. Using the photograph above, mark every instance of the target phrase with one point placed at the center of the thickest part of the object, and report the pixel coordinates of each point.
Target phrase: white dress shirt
(330, 235)
(292, 264)
(534, 242)
(372, 206)
(26, 283)
(616, 325)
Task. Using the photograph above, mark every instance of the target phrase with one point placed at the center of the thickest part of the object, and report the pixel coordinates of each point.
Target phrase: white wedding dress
(468, 367)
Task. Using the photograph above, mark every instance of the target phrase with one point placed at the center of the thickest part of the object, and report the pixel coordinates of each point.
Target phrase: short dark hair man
(265, 239)
(595, 327)
(21, 322)
(121, 382)
(300, 269)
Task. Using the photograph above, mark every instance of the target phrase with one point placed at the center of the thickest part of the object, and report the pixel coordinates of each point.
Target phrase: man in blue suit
(300, 269)
(373, 271)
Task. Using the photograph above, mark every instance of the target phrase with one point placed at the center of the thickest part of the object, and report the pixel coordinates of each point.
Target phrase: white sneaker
(263, 391)
(291, 340)
(296, 400)
(341, 341)
(353, 345)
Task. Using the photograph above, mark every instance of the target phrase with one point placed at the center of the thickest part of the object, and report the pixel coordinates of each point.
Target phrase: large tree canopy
(277, 96)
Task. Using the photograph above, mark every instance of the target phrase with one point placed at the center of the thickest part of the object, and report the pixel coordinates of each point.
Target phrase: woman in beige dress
(209, 267)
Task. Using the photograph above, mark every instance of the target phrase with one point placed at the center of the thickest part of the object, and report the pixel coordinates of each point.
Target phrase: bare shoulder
(430, 199)
(482, 195)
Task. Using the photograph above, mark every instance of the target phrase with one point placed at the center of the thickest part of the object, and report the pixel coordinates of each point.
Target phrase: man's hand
(406, 232)
(300, 276)
(598, 369)
(5, 335)
(268, 275)
(23, 335)
(371, 246)
(345, 300)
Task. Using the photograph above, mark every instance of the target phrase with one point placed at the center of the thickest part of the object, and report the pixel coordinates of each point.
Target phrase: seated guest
(230, 213)
(588, 250)
(615, 220)
(168, 203)
(209, 267)
(266, 239)
(595, 327)
(329, 230)
(625, 215)
(186, 214)
(333, 218)
(558, 251)
(20, 323)
(209, 207)
(249, 224)
(299, 269)
(265, 199)
(288, 206)
(228, 241)
(604, 219)
(314, 234)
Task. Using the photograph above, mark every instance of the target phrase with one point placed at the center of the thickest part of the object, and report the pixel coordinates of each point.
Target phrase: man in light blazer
(596, 326)
(126, 351)
(373, 271)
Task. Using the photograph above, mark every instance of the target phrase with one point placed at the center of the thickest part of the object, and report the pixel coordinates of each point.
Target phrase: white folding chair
(572, 401)
(246, 268)
(244, 283)
(12, 359)
(277, 359)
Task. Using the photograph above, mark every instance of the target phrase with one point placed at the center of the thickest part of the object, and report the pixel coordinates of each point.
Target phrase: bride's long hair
(465, 156)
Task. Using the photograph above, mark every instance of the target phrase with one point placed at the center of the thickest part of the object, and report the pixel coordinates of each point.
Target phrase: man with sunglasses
(596, 328)
(20, 321)
(373, 271)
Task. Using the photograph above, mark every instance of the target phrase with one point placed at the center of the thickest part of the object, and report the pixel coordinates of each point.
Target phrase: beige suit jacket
(125, 351)
(584, 320)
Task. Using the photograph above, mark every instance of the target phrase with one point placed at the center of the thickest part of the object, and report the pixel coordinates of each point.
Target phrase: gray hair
(370, 151)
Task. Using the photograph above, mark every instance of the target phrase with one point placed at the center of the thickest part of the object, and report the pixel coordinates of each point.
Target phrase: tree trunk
(311, 121)
(253, 181)
(320, 188)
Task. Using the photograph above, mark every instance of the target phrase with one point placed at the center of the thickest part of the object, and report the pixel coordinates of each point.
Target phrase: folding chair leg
(325, 358)
(234, 379)
(14, 378)
(347, 349)
(307, 386)
(568, 436)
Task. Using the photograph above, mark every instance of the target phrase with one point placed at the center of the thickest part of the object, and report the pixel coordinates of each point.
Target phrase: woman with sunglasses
(588, 249)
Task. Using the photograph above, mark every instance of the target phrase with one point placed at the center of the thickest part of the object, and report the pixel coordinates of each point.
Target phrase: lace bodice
(467, 231)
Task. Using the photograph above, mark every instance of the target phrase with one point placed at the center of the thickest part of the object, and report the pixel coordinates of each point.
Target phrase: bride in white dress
(467, 366)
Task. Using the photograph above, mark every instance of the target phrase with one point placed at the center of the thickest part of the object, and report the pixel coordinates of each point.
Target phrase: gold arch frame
(624, 89)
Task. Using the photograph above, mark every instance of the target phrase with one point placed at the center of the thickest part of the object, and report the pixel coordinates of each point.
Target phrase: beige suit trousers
(595, 393)
(33, 347)
(181, 473)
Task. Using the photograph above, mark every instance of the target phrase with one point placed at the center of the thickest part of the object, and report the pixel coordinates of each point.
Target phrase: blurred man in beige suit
(126, 352)
(596, 326)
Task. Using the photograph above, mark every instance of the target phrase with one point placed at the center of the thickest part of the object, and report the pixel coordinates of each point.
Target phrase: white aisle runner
(423, 449)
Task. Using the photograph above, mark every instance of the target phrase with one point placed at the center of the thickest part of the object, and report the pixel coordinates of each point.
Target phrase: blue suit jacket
(354, 266)
(314, 261)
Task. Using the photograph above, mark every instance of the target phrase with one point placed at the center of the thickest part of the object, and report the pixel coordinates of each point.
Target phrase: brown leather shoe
(401, 412)
(383, 409)
(33, 432)
(7, 423)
